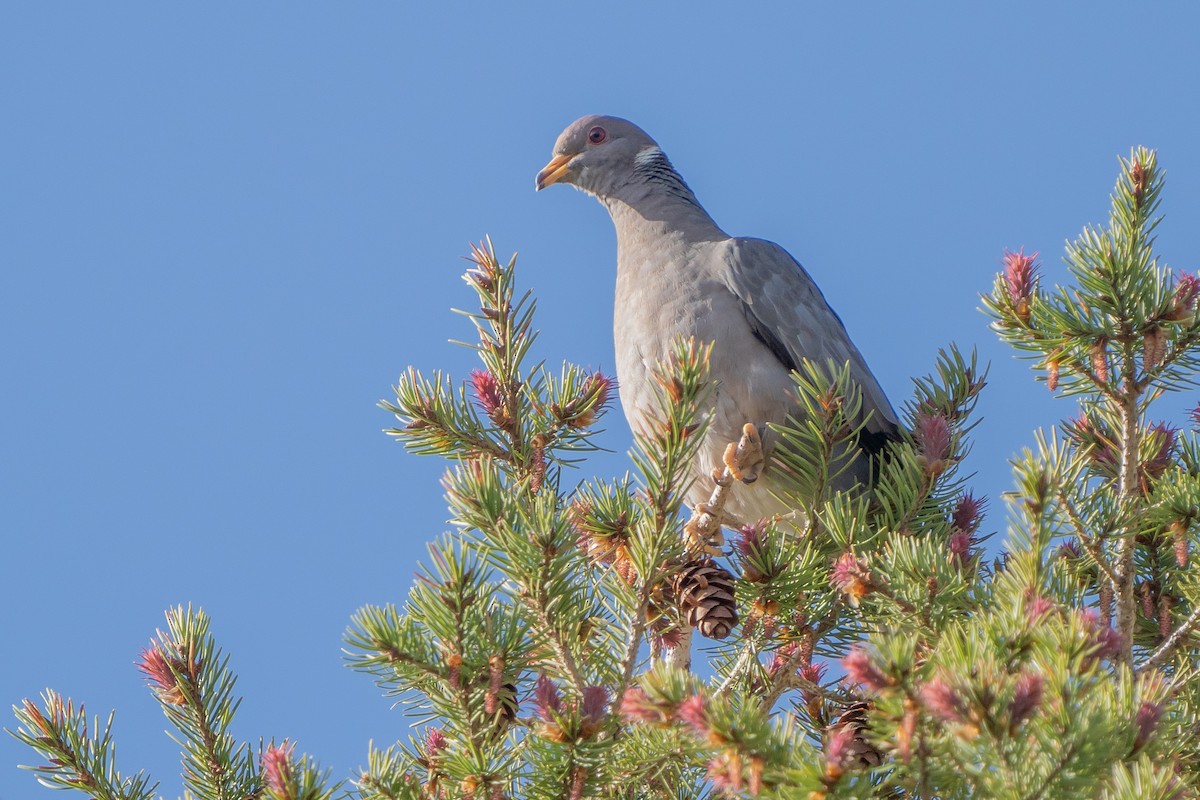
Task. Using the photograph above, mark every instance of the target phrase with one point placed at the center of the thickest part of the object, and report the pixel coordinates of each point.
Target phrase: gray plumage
(679, 274)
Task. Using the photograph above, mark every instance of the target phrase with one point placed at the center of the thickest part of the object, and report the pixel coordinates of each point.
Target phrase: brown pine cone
(858, 752)
(705, 593)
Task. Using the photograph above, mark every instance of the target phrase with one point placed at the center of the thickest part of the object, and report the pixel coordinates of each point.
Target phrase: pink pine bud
(1069, 551)
(725, 772)
(750, 544)
(637, 706)
(583, 409)
(592, 400)
(781, 658)
(862, 669)
(1037, 607)
(751, 538)
(1139, 179)
(1163, 437)
(932, 435)
(1184, 303)
(1110, 643)
(959, 545)
(490, 397)
(943, 702)
(1146, 720)
(693, 713)
(1095, 441)
(1195, 414)
(813, 674)
(158, 669)
(851, 577)
(1107, 642)
(277, 769)
(546, 699)
(1027, 696)
(840, 750)
(435, 742)
(1081, 427)
(1020, 277)
(595, 700)
(967, 513)
(669, 636)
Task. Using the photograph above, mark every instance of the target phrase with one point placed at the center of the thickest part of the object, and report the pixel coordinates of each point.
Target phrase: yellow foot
(745, 459)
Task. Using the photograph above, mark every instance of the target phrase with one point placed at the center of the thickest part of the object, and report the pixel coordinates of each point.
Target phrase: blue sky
(225, 230)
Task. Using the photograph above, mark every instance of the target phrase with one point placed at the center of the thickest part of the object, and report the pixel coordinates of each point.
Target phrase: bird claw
(745, 459)
(704, 530)
(720, 477)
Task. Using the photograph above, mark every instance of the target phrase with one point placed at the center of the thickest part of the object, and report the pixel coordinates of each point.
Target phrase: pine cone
(704, 590)
(859, 752)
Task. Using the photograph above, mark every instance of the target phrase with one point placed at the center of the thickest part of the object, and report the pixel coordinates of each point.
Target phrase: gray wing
(788, 313)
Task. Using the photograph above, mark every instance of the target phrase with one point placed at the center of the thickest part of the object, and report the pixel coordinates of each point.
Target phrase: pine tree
(876, 652)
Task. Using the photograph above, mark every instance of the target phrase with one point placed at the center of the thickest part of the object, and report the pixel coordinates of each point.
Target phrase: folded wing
(788, 313)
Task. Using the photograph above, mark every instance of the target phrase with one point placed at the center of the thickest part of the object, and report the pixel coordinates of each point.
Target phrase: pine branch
(76, 758)
(1048, 783)
(1173, 642)
(1089, 543)
(1127, 490)
(192, 681)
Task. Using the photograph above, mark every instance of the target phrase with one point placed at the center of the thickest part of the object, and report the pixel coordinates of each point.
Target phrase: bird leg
(704, 528)
(745, 459)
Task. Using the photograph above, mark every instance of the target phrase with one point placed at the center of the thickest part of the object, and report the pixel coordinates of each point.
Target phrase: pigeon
(680, 275)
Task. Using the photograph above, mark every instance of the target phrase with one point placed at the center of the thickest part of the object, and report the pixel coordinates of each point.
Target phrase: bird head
(598, 154)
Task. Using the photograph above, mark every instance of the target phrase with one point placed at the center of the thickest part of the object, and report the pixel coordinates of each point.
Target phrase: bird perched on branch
(680, 275)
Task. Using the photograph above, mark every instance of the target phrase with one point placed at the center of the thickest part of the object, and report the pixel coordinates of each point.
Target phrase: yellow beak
(553, 172)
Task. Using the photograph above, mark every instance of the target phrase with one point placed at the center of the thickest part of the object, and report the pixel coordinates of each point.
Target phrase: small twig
(1168, 648)
(636, 631)
(1127, 492)
(794, 681)
(749, 653)
(782, 680)
(1087, 540)
(1048, 782)
(540, 605)
(927, 484)
(886, 591)
(680, 656)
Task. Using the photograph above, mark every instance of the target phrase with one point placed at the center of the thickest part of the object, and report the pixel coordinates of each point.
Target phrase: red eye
(597, 135)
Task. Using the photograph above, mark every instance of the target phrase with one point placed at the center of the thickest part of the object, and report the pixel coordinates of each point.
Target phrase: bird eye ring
(597, 135)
